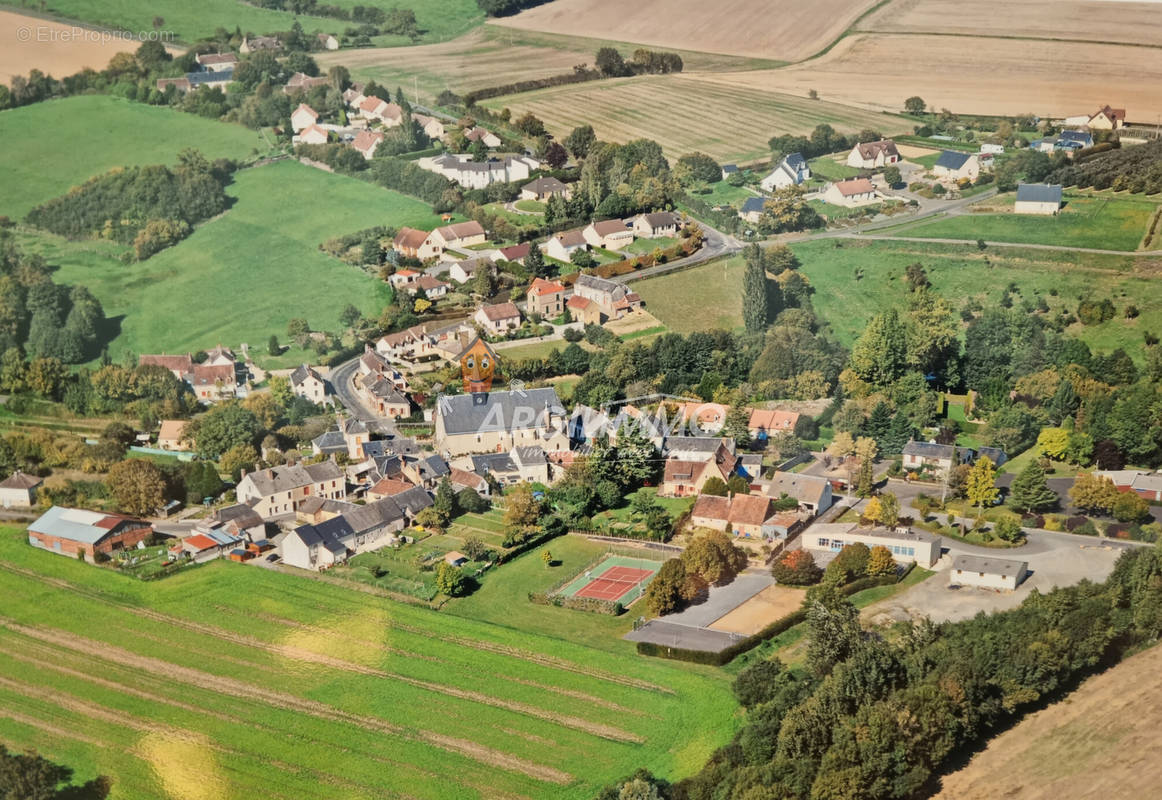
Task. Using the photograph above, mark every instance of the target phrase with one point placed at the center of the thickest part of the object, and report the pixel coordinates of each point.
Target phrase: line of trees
(879, 720)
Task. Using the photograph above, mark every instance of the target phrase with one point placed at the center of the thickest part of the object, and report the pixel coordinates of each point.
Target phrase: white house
(328, 41)
(365, 142)
(466, 269)
(987, 572)
(562, 245)
(850, 193)
(956, 165)
(433, 127)
(226, 62)
(309, 384)
(611, 234)
(18, 490)
(303, 117)
(873, 155)
(479, 134)
(312, 134)
(992, 149)
(480, 174)
(791, 171)
(1038, 198)
(460, 234)
(658, 223)
(498, 319)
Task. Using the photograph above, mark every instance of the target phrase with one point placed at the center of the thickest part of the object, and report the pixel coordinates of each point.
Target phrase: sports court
(615, 579)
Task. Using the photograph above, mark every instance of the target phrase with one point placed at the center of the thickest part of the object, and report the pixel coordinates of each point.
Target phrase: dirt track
(1100, 741)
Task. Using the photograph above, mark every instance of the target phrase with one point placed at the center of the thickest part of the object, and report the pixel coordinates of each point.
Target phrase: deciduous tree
(137, 485)
(981, 488)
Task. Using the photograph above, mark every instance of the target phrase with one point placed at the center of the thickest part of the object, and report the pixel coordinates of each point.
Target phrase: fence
(649, 544)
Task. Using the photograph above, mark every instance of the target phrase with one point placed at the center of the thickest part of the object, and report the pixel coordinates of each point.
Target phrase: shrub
(796, 568)
(1073, 523)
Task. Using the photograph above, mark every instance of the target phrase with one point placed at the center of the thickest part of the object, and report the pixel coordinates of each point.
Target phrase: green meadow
(235, 681)
(242, 276)
(437, 19)
(53, 146)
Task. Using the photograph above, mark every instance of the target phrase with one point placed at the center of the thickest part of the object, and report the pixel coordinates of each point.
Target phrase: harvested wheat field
(724, 121)
(971, 75)
(772, 603)
(28, 43)
(1129, 22)
(784, 30)
(1100, 741)
(473, 61)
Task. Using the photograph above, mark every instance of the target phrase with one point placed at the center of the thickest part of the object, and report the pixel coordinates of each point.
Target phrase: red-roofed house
(463, 479)
(212, 383)
(583, 310)
(872, 155)
(686, 478)
(434, 288)
(1108, 119)
(388, 487)
(499, 318)
(301, 82)
(365, 143)
(303, 117)
(312, 134)
(743, 514)
(403, 278)
(765, 422)
(546, 298)
(516, 252)
(180, 366)
(414, 243)
(460, 234)
(850, 193)
(612, 234)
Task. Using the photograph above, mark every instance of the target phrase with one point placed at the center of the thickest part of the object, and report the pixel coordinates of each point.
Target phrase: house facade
(171, 435)
(480, 174)
(498, 319)
(791, 171)
(956, 166)
(873, 155)
(658, 223)
(460, 234)
(613, 299)
(905, 544)
(310, 385)
(278, 490)
(303, 117)
(611, 234)
(1038, 198)
(18, 490)
(561, 246)
(851, 193)
(546, 298)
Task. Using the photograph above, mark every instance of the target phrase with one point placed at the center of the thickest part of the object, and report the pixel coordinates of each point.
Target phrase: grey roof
(240, 514)
(934, 450)
(795, 161)
(542, 185)
(412, 500)
(493, 462)
(302, 372)
(20, 480)
(196, 78)
(697, 444)
(500, 411)
(79, 525)
(431, 465)
(989, 565)
(285, 478)
(995, 454)
(729, 168)
(1081, 137)
(904, 534)
(529, 454)
(804, 488)
(312, 504)
(753, 204)
(952, 159)
(375, 515)
(384, 389)
(1039, 193)
(330, 442)
(661, 219)
(599, 284)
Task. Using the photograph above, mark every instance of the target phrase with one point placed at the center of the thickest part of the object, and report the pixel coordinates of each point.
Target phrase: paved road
(342, 378)
(715, 244)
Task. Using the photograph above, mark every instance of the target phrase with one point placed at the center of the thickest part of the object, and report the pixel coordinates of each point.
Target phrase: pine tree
(737, 425)
(878, 423)
(1030, 491)
(755, 306)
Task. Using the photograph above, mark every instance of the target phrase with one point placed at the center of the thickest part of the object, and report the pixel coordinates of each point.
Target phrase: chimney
(242, 474)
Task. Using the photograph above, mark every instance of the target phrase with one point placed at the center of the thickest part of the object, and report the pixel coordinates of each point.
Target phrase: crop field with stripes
(684, 113)
(236, 681)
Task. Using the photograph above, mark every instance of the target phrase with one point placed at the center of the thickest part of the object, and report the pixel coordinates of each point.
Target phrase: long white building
(480, 174)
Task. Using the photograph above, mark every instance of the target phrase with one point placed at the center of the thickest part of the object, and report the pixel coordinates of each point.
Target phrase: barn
(72, 531)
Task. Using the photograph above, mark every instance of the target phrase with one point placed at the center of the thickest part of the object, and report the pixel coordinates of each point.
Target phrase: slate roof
(544, 186)
(795, 161)
(661, 219)
(285, 478)
(804, 488)
(301, 373)
(1039, 193)
(462, 414)
(331, 441)
(753, 205)
(493, 462)
(20, 480)
(952, 159)
(934, 450)
(430, 466)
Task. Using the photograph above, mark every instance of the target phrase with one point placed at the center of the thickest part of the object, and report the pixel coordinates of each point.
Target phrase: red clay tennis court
(614, 583)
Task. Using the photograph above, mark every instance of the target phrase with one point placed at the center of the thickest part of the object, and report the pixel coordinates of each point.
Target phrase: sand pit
(912, 151)
(772, 603)
(54, 48)
(783, 30)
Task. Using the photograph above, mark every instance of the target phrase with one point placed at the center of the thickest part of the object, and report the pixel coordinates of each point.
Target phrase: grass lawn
(831, 168)
(154, 677)
(533, 350)
(1101, 222)
(927, 162)
(53, 146)
(832, 211)
(531, 206)
(704, 298)
(1060, 468)
(959, 272)
(518, 220)
(242, 276)
(642, 246)
(437, 19)
(723, 194)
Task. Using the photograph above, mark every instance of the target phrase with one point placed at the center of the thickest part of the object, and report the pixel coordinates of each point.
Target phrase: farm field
(1100, 741)
(1024, 76)
(1090, 20)
(46, 50)
(242, 276)
(437, 19)
(53, 146)
(959, 272)
(698, 299)
(1085, 221)
(232, 681)
(628, 108)
(782, 29)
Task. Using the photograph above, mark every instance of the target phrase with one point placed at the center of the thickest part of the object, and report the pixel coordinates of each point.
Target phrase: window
(911, 552)
(823, 542)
